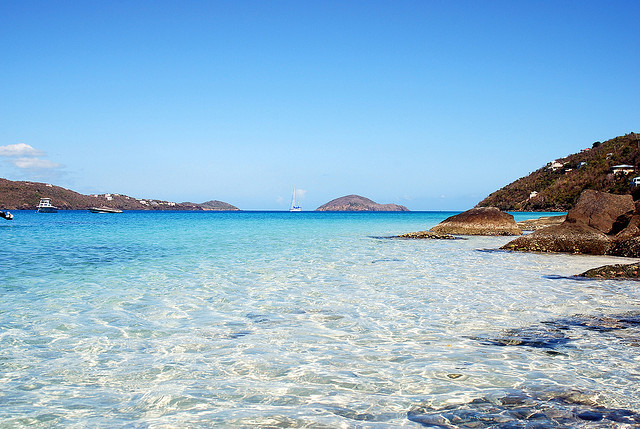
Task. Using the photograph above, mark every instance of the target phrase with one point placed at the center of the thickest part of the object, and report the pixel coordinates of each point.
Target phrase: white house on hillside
(623, 168)
(555, 165)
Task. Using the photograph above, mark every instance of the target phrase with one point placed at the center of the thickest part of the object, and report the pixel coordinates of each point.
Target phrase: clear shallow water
(161, 319)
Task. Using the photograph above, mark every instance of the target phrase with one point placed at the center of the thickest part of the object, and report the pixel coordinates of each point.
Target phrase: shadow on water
(575, 278)
(493, 251)
(375, 261)
(588, 279)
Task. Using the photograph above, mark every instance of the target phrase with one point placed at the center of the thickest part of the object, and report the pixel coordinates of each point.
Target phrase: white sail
(294, 207)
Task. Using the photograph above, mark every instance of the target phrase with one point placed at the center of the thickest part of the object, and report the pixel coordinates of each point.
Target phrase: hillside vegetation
(559, 183)
(26, 196)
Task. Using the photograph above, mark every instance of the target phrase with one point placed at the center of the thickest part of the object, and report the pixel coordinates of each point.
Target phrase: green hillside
(559, 183)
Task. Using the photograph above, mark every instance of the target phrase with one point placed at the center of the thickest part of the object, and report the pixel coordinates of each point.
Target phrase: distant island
(356, 203)
(214, 205)
(18, 195)
(610, 166)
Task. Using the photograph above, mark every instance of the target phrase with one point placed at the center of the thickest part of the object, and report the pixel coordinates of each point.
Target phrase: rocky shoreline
(599, 224)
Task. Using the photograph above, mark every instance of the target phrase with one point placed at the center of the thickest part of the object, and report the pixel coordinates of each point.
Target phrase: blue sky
(430, 104)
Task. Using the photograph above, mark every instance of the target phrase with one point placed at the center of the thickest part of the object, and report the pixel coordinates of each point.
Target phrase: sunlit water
(161, 319)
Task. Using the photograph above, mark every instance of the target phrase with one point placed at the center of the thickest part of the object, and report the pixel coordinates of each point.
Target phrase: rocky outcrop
(543, 222)
(600, 224)
(567, 237)
(479, 221)
(600, 210)
(356, 203)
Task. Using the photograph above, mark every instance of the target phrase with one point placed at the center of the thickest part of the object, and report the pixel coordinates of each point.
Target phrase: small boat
(6, 215)
(45, 206)
(104, 210)
(294, 207)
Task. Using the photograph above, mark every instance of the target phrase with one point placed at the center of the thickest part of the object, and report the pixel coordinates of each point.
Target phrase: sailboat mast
(294, 207)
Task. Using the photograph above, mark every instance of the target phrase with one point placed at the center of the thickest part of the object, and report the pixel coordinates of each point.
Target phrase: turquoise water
(192, 319)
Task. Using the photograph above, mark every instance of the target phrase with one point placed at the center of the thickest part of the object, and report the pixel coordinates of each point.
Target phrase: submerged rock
(427, 235)
(546, 408)
(554, 333)
(479, 221)
(545, 336)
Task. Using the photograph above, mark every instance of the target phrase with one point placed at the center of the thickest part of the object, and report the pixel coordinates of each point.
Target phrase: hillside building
(623, 168)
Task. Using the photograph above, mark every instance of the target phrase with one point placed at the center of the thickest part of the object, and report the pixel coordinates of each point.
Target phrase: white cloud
(35, 163)
(20, 149)
(300, 193)
(29, 160)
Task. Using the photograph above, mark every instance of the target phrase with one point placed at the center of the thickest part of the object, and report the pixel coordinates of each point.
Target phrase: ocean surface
(272, 319)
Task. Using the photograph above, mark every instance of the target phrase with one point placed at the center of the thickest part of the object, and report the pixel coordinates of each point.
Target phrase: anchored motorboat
(45, 206)
(104, 210)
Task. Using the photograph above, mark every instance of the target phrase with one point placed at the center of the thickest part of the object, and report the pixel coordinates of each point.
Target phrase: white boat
(294, 207)
(45, 206)
(6, 215)
(104, 210)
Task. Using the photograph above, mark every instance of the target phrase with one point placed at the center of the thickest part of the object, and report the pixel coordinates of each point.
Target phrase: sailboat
(294, 207)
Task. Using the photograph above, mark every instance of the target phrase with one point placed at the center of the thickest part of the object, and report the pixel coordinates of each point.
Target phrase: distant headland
(356, 203)
(16, 195)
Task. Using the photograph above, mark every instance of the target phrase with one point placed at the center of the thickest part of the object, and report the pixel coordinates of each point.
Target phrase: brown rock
(566, 237)
(629, 248)
(600, 210)
(631, 229)
(479, 221)
(617, 271)
(628, 225)
(543, 222)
